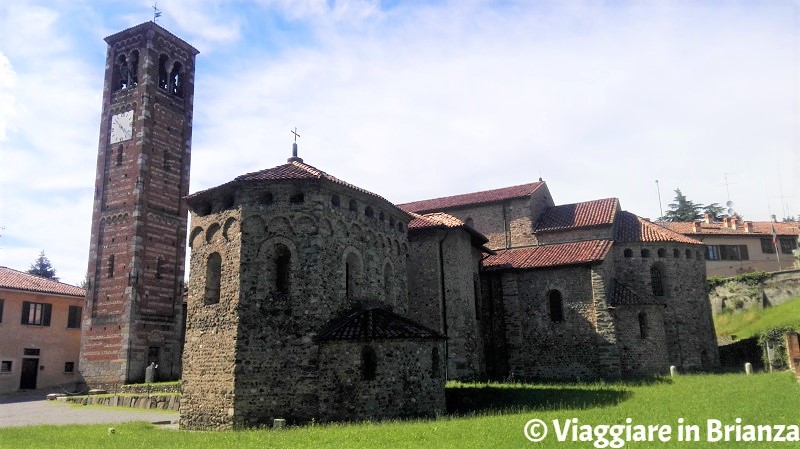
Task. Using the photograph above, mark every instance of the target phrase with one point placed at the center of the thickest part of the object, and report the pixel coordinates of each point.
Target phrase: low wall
(782, 286)
(161, 402)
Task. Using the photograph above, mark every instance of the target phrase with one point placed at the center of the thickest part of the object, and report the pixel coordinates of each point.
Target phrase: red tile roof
(761, 228)
(292, 170)
(376, 323)
(442, 220)
(470, 199)
(632, 228)
(17, 280)
(544, 256)
(578, 215)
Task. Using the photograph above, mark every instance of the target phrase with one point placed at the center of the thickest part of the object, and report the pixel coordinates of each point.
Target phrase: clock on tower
(134, 308)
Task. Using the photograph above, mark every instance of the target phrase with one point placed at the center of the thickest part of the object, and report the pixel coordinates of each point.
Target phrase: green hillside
(750, 323)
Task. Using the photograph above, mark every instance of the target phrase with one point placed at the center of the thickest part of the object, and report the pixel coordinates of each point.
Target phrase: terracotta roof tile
(376, 323)
(434, 220)
(632, 228)
(17, 280)
(761, 228)
(578, 215)
(574, 253)
(469, 199)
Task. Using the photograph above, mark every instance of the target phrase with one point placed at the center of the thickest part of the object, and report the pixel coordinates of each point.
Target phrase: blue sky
(414, 100)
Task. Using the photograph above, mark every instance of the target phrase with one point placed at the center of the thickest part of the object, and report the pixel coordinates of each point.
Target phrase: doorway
(30, 369)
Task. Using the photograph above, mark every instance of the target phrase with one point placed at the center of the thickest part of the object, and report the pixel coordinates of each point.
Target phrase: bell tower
(134, 308)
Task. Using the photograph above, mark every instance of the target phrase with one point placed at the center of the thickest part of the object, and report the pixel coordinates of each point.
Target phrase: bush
(774, 337)
(753, 278)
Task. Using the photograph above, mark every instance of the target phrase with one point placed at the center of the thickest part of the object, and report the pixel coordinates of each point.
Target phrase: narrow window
(283, 262)
(400, 227)
(368, 212)
(656, 282)
(436, 364)
(111, 266)
(74, 318)
(662, 253)
(5, 366)
(119, 155)
(628, 252)
(153, 353)
(176, 80)
(1, 310)
(645, 253)
(213, 275)
(69, 367)
(391, 221)
(162, 72)
(688, 254)
(712, 252)
(159, 267)
(297, 198)
(353, 206)
(676, 253)
(369, 363)
(642, 325)
(167, 166)
(267, 198)
(556, 306)
(123, 72)
(133, 69)
(335, 201)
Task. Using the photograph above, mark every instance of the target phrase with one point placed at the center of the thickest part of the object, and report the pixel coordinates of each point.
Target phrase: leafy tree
(43, 268)
(715, 209)
(682, 209)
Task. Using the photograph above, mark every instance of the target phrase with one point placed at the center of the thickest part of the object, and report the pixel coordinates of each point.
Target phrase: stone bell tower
(134, 308)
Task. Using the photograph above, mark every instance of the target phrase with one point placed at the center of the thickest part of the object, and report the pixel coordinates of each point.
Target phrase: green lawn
(750, 323)
(489, 416)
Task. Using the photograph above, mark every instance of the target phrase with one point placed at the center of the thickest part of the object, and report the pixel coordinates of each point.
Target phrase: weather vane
(156, 12)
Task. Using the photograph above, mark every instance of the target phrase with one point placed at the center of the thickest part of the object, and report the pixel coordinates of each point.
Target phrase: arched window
(353, 206)
(176, 80)
(662, 252)
(368, 212)
(556, 306)
(400, 226)
(436, 364)
(335, 200)
(213, 279)
(162, 72)
(283, 265)
(628, 252)
(297, 198)
(645, 253)
(267, 198)
(133, 69)
(688, 254)
(656, 281)
(676, 253)
(391, 221)
(642, 325)
(381, 216)
(123, 72)
(369, 363)
(111, 266)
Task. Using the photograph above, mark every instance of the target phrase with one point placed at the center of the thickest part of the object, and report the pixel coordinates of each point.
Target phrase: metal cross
(295, 134)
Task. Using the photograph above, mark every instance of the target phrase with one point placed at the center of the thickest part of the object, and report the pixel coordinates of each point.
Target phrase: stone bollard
(673, 370)
(748, 368)
(278, 424)
(150, 373)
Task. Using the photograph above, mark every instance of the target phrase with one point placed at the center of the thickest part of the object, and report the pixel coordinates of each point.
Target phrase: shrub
(774, 337)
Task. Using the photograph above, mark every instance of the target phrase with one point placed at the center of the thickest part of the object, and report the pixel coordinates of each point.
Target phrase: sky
(415, 100)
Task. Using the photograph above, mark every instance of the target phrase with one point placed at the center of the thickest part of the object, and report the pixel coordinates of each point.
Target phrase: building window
(297, 198)
(353, 206)
(369, 363)
(436, 364)
(727, 252)
(628, 253)
(35, 352)
(111, 266)
(74, 318)
(400, 227)
(162, 71)
(335, 200)
(213, 279)
(712, 252)
(556, 306)
(767, 247)
(368, 212)
(69, 367)
(1, 310)
(5, 366)
(159, 267)
(656, 282)
(676, 253)
(267, 198)
(642, 325)
(662, 252)
(36, 313)
(381, 216)
(283, 264)
(645, 253)
(787, 245)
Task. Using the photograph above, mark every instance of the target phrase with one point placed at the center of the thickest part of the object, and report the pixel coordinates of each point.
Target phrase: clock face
(121, 127)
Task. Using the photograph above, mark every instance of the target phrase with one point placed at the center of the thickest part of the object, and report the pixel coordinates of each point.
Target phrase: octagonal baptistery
(297, 297)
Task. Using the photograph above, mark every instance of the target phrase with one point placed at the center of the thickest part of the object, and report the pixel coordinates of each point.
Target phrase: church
(310, 298)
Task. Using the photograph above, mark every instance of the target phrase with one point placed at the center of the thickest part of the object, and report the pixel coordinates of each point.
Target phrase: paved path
(27, 409)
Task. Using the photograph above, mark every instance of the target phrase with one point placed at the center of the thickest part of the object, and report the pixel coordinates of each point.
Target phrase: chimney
(696, 227)
(748, 227)
(709, 217)
(734, 222)
(774, 218)
(725, 222)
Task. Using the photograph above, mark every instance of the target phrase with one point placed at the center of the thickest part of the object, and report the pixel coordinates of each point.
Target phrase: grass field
(750, 323)
(488, 416)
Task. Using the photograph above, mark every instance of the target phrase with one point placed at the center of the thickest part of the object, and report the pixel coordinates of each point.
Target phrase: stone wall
(641, 353)
(409, 381)
(460, 261)
(575, 235)
(779, 288)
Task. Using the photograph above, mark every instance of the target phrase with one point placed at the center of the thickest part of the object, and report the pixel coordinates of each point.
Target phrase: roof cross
(294, 157)
(295, 134)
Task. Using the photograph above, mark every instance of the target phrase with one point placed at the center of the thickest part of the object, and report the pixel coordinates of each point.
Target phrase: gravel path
(27, 409)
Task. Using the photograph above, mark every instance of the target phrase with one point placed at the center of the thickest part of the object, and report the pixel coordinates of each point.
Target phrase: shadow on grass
(470, 400)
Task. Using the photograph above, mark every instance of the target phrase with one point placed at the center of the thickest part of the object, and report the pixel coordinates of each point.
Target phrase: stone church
(310, 298)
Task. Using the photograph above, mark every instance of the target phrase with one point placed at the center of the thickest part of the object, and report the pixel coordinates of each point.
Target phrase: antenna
(660, 209)
(727, 188)
(156, 12)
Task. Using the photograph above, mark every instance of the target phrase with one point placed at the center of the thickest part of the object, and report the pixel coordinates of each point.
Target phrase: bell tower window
(162, 71)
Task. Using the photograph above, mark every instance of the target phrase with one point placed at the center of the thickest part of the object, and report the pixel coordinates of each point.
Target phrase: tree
(715, 209)
(682, 209)
(43, 268)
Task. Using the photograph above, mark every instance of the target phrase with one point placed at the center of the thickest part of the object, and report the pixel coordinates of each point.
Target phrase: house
(40, 332)
(735, 246)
